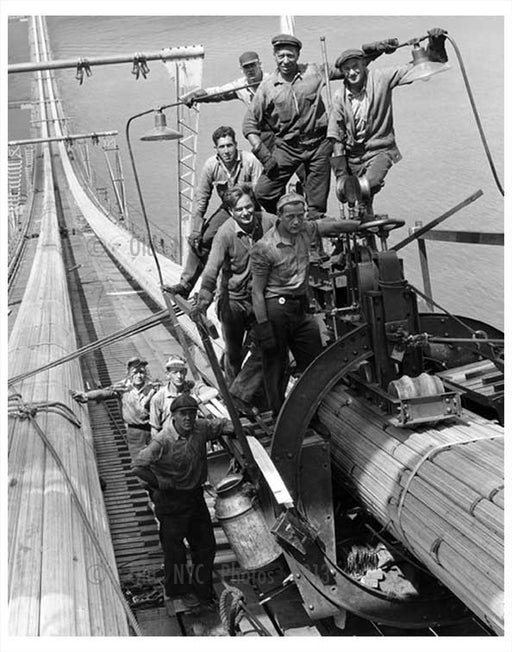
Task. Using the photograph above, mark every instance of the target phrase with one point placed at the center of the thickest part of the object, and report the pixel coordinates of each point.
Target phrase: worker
(177, 383)
(228, 167)
(242, 88)
(279, 264)
(135, 393)
(361, 120)
(173, 464)
(289, 103)
(228, 269)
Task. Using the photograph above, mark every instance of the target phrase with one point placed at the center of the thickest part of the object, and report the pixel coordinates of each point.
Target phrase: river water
(443, 158)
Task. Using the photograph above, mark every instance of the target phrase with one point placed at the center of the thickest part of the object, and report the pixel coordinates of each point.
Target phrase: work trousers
(244, 382)
(137, 438)
(196, 261)
(316, 179)
(236, 318)
(375, 169)
(294, 330)
(184, 515)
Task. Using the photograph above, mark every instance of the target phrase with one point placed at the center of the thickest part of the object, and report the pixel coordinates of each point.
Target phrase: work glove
(79, 397)
(375, 49)
(436, 50)
(204, 298)
(264, 335)
(339, 165)
(194, 238)
(193, 96)
(264, 156)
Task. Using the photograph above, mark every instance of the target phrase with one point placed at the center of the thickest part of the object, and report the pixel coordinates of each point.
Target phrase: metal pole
(326, 71)
(54, 139)
(176, 328)
(166, 54)
(437, 221)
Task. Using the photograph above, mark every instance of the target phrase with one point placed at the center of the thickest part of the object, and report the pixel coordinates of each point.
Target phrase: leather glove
(339, 165)
(204, 298)
(193, 96)
(436, 50)
(264, 156)
(373, 50)
(264, 335)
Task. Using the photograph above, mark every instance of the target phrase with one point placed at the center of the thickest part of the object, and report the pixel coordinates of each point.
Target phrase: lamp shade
(161, 131)
(422, 69)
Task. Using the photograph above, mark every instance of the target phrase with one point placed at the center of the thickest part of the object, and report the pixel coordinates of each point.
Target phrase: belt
(309, 141)
(289, 298)
(140, 426)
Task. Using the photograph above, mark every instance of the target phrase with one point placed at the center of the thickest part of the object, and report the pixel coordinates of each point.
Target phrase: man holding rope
(135, 393)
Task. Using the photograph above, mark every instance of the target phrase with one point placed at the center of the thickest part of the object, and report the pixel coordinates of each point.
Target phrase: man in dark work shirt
(174, 465)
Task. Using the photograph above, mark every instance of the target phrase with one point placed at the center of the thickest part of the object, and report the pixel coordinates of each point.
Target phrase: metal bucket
(244, 524)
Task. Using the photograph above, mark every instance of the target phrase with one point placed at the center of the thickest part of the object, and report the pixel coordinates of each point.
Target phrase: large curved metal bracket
(346, 593)
(343, 592)
(303, 401)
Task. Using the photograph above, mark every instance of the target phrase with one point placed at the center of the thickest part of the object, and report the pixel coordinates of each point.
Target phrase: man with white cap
(279, 264)
(174, 465)
(135, 393)
(160, 408)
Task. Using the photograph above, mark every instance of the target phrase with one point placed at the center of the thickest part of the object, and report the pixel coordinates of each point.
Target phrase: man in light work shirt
(160, 407)
(242, 89)
(174, 465)
(289, 103)
(227, 168)
(230, 258)
(135, 393)
(361, 120)
(280, 263)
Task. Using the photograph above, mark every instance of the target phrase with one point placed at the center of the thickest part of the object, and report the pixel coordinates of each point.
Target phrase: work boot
(180, 288)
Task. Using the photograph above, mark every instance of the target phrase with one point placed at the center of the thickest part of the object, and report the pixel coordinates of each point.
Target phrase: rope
(476, 114)
(134, 329)
(74, 495)
(437, 305)
(230, 609)
(414, 472)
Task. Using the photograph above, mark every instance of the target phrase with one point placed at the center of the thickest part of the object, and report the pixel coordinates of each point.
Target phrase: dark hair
(231, 197)
(222, 132)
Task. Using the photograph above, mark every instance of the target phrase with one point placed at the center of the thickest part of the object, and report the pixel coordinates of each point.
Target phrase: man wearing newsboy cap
(174, 466)
(135, 393)
(289, 103)
(361, 120)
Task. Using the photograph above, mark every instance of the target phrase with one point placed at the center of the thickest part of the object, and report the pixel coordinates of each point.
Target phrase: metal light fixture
(423, 69)
(161, 131)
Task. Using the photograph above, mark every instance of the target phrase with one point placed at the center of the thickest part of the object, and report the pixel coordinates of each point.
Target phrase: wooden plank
(270, 473)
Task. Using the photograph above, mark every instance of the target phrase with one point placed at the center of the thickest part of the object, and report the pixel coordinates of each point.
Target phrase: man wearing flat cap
(361, 120)
(135, 393)
(242, 88)
(289, 103)
(175, 467)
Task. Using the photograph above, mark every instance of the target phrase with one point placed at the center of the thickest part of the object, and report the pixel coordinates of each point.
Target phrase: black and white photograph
(256, 312)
